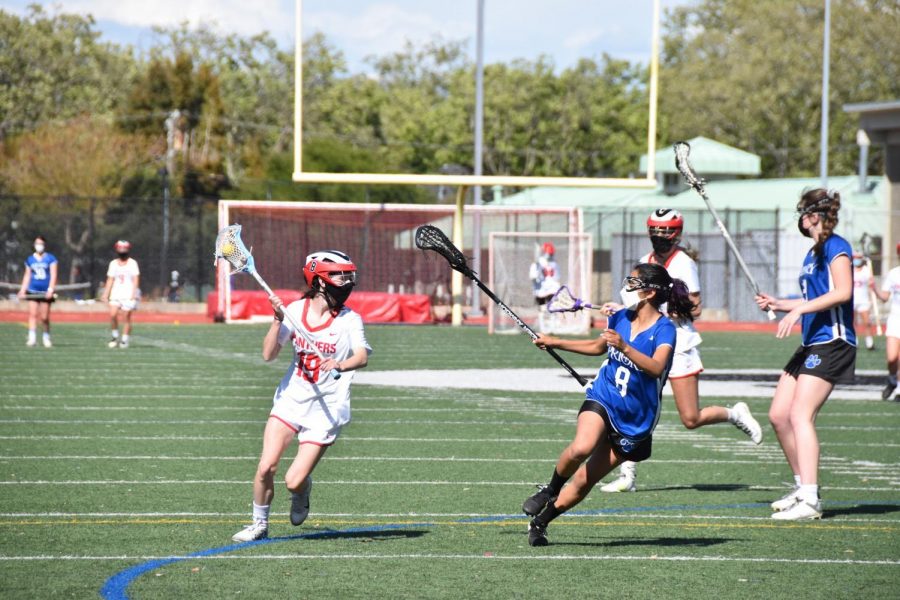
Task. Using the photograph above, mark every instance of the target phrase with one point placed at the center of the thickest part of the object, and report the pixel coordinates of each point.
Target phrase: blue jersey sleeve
(836, 246)
(666, 334)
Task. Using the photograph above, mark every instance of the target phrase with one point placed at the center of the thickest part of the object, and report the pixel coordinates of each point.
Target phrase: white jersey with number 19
(321, 401)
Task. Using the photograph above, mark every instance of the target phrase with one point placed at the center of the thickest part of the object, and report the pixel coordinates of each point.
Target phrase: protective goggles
(339, 278)
(635, 283)
(664, 232)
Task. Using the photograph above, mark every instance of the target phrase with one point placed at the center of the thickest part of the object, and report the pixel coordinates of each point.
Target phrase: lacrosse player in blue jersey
(827, 352)
(38, 283)
(623, 402)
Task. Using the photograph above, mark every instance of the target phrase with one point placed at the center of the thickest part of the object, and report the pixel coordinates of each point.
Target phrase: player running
(309, 404)
(122, 290)
(665, 227)
(827, 352)
(38, 284)
(623, 402)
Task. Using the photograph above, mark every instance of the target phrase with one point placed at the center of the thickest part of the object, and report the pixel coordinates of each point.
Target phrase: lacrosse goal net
(511, 255)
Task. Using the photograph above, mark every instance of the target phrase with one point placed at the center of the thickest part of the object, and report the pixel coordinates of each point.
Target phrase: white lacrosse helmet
(665, 222)
(333, 266)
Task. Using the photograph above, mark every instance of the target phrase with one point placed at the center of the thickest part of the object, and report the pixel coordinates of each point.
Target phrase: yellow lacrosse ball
(227, 248)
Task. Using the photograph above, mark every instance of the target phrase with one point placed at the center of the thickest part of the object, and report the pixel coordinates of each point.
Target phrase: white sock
(732, 418)
(46, 335)
(809, 492)
(125, 337)
(797, 481)
(115, 334)
(32, 334)
(261, 513)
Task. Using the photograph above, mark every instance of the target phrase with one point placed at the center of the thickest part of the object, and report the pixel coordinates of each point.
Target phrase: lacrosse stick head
(564, 301)
(683, 164)
(429, 237)
(230, 247)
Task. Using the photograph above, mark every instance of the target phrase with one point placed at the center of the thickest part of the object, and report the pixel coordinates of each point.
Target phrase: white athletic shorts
(861, 306)
(893, 326)
(685, 364)
(126, 305)
(305, 435)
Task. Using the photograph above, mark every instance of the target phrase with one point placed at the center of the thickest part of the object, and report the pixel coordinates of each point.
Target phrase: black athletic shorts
(640, 451)
(45, 299)
(835, 362)
(542, 300)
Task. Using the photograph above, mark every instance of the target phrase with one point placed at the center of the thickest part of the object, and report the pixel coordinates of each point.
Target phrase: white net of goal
(521, 272)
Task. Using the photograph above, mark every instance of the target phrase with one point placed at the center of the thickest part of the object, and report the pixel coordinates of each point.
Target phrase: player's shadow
(861, 509)
(702, 487)
(364, 536)
(664, 542)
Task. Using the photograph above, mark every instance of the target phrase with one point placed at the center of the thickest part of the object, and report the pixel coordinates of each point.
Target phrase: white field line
(102, 482)
(485, 556)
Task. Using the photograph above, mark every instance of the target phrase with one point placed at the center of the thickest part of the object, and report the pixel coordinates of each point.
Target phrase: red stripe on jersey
(324, 325)
(652, 259)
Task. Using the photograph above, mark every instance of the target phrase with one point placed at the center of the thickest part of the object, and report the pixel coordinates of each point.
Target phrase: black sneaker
(537, 534)
(888, 390)
(536, 503)
(300, 504)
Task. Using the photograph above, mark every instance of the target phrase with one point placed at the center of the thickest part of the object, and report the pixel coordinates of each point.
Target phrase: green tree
(55, 67)
(749, 73)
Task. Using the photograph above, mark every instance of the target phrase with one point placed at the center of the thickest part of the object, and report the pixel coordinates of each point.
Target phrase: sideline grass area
(110, 459)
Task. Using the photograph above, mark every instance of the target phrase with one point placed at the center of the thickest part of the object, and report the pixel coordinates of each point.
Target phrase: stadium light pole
(478, 159)
(826, 62)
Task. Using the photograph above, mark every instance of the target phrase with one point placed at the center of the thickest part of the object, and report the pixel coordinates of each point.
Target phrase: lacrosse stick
(873, 299)
(564, 301)
(429, 237)
(230, 247)
(682, 151)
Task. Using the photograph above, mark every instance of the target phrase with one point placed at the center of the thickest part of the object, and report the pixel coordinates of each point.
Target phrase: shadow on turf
(371, 535)
(861, 509)
(701, 487)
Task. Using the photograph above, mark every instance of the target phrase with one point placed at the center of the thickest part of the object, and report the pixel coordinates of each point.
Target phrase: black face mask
(123, 255)
(660, 244)
(336, 296)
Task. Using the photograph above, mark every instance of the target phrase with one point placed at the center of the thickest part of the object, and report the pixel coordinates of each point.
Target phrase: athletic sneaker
(870, 343)
(786, 501)
(626, 480)
(802, 510)
(300, 503)
(31, 342)
(537, 534)
(123, 344)
(47, 343)
(888, 390)
(113, 342)
(257, 531)
(535, 503)
(744, 421)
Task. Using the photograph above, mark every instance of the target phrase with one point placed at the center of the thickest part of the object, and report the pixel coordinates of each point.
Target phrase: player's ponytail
(680, 303)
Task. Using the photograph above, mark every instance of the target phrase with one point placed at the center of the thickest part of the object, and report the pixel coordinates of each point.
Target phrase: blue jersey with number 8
(633, 398)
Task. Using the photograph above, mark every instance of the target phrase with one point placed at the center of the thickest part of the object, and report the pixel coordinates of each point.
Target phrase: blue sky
(562, 29)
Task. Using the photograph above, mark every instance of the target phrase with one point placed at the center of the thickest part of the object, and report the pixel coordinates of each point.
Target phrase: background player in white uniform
(862, 303)
(122, 289)
(890, 290)
(827, 353)
(623, 402)
(309, 404)
(665, 227)
(545, 281)
(38, 285)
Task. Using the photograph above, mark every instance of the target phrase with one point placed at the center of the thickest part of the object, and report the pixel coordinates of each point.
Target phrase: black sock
(557, 482)
(549, 513)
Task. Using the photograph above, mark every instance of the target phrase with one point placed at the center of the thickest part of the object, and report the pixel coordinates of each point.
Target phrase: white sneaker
(744, 421)
(801, 511)
(626, 480)
(47, 343)
(870, 343)
(257, 531)
(31, 342)
(113, 343)
(786, 501)
(123, 344)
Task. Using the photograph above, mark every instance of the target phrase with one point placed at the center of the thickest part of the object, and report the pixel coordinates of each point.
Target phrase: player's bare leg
(687, 401)
(299, 481)
(892, 353)
(44, 317)
(32, 323)
(126, 327)
(113, 326)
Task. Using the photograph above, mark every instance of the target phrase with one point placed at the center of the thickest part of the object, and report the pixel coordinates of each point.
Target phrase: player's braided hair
(673, 291)
(825, 203)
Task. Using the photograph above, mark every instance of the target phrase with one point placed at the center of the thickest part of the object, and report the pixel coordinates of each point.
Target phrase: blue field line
(116, 587)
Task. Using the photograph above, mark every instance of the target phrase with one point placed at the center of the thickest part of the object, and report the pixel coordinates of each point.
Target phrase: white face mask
(630, 299)
(39, 248)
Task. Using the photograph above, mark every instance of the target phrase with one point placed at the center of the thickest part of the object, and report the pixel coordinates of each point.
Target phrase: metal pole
(826, 61)
(479, 142)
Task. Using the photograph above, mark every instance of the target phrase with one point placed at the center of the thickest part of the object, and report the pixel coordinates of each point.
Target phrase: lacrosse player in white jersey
(890, 290)
(122, 280)
(311, 403)
(665, 227)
